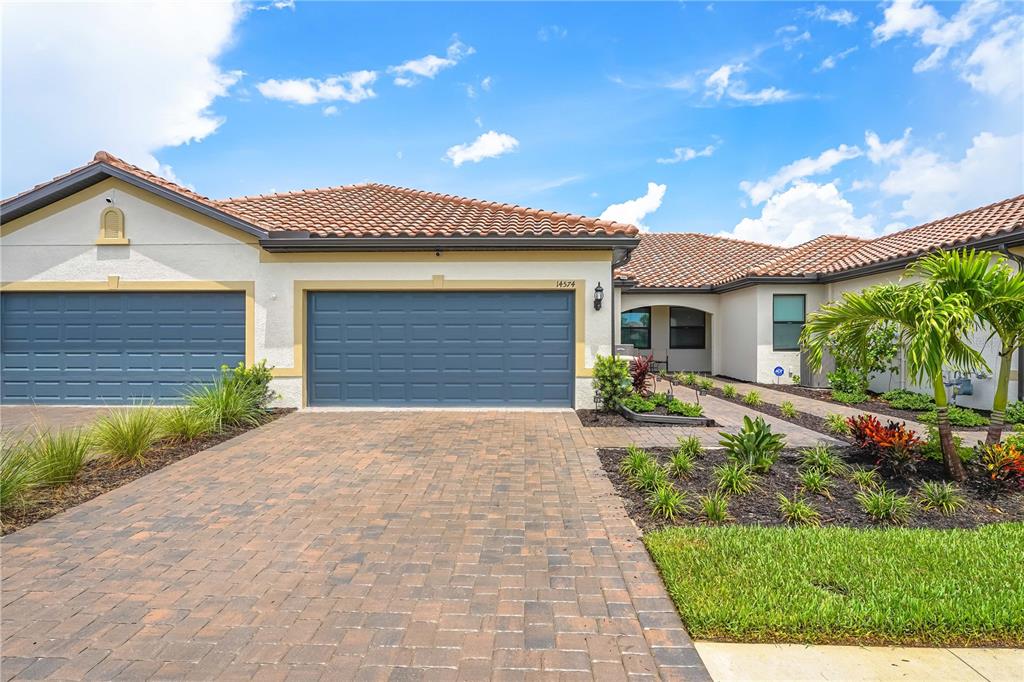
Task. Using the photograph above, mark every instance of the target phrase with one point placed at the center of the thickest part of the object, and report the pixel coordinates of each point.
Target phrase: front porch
(677, 330)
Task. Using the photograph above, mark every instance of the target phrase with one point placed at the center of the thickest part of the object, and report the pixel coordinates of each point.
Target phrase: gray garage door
(117, 347)
(447, 348)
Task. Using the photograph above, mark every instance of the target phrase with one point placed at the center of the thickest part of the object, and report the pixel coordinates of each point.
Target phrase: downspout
(616, 263)
(1020, 351)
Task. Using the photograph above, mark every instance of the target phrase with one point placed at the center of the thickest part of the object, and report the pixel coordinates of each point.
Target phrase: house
(119, 286)
(735, 308)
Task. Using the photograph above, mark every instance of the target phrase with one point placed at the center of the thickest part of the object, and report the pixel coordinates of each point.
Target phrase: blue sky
(767, 121)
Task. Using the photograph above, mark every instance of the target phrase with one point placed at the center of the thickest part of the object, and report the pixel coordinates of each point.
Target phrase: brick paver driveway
(366, 545)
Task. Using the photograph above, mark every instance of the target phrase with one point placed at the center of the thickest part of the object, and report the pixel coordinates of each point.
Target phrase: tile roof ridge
(720, 237)
(961, 214)
(290, 193)
(460, 200)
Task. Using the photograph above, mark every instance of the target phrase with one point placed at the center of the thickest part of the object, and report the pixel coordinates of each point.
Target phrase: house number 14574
(566, 284)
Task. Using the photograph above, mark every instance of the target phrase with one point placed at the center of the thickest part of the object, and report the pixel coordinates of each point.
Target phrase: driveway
(366, 545)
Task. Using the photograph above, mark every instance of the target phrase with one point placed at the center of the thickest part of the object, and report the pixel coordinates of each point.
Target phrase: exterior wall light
(598, 296)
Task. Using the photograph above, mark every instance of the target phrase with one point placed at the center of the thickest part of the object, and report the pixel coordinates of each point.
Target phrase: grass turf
(841, 585)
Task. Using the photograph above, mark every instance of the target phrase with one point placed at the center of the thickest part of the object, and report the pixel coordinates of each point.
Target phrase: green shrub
(17, 475)
(225, 404)
(734, 478)
(611, 380)
(795, 378)
(822, 458)
(126, 435)
(788, 410)
(689, 445)
(59, 456)
(687, 379)
(752, 398)
(837, 424)
(942, 497)
(705, 384)
(729, 391)
(1015, 412)
(846, 380)
(815, 481)
(797, 512)
(665, 502)
(714, 506)
(638, 403)
(849, 397)
(932, 448)
(635, 461)
(661, 399)
(186, 423)
(884, 505)
(902, 399)
(253, 381)
(754, 445)
(685, 409)
(680, 463)
(958, 416)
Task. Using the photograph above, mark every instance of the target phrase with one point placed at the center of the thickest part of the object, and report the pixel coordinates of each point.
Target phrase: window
(112, 227)
(636, 327)
(686, 328)
(787, 321)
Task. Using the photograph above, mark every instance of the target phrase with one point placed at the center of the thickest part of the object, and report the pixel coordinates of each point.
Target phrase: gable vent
(112, 226)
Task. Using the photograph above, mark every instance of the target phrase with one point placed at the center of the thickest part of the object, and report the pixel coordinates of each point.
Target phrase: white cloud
(722, 83)
(879, 151)
(843, 17)
(80, 77)
(994, 67)
(801, 168)
(830, 61)
(913, 18)
(330, 110)
(485, 84)
(633, 211)
(350, 87)
(858, 185)
(470, 91)
(687, 154)
(803, 212)
(933, 186)
(278, 4)
(409, 73)
(551, 32)
(488, 146)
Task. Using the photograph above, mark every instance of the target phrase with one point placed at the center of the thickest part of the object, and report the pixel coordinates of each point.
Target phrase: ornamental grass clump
(865, 479)
(788, 410)
(729, 391)
(689, 445)
(125, 435)
(884, 505)
(822, 458)
(650, 479)
(58, 457)
(752, 398)
(635, 461)
(733, 478)
(714, 507)
(680, 464)
(837, 424)
(186, 423)
(815, 481)
(18, 476)
(942, 497)
(797, 512)
(667, 503)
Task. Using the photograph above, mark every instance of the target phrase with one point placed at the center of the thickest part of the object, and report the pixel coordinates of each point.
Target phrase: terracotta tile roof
(695, 260)
(375, 210)
(692, 259)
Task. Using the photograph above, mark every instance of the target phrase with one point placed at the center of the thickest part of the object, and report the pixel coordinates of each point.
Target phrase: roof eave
(92, 174)
(285, 244)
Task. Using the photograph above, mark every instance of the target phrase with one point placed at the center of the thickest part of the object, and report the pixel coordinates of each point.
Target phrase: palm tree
(931, 327)
(997, 296)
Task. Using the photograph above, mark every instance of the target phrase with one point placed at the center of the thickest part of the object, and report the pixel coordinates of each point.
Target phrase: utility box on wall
(819, 379)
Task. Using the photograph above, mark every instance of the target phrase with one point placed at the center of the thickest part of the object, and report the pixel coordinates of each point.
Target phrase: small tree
(931, 325)
(611, 380)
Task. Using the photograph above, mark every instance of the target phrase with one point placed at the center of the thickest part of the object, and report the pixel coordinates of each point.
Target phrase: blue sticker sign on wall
(779, 371)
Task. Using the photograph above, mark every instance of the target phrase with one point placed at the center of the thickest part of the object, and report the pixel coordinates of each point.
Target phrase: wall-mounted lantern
(598, 296)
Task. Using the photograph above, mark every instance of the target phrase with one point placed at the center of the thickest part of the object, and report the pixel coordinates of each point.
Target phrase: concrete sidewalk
(728, 662)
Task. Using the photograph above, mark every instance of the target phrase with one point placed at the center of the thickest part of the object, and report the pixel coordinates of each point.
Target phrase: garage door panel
(454, 348)
(116, 347)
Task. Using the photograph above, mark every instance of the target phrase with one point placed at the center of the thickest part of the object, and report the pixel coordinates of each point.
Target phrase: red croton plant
(640, 371)
(1004, 463)
(893, 445)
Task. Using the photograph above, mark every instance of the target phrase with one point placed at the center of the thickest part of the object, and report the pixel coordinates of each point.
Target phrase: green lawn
(746, 583)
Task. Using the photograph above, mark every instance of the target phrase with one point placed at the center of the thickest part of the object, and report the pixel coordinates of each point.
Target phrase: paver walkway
(822, 409)
(348, 545)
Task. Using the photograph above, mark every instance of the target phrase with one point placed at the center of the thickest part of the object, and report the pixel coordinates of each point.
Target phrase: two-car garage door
(82, 348)
(440, 348)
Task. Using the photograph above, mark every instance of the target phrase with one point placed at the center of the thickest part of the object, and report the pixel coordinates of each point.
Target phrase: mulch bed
(98, 477)
(602, 418)
(760, 506)
(873, 404)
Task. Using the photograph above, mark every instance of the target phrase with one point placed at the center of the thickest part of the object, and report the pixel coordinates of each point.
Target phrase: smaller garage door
(440, 348)
(115, 347)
